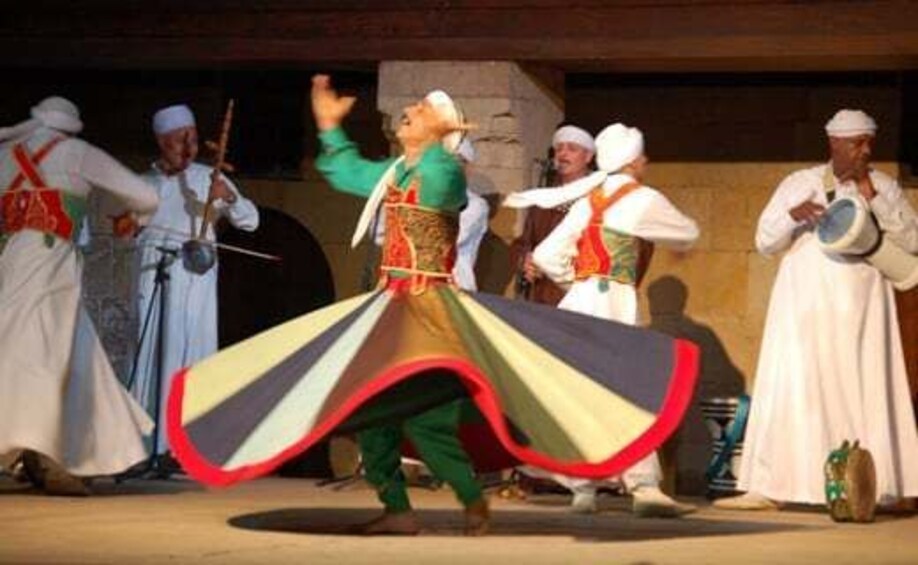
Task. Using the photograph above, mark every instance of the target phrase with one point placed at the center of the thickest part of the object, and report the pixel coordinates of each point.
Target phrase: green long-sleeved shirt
(441, 179)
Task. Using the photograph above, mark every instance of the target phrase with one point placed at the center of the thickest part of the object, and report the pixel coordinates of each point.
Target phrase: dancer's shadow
(604, 527)
(719, 377)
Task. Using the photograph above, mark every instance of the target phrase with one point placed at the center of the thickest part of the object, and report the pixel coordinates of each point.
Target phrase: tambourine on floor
(851, 484)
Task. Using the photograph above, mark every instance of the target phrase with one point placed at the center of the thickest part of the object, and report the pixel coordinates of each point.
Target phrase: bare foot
(477, 518)
(391, 524)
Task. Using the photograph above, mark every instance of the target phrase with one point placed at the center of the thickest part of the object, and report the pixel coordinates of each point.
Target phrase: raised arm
(103, 171)
(340, 162)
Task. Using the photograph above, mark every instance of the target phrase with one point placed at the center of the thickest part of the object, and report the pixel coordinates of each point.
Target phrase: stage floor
(294, 521)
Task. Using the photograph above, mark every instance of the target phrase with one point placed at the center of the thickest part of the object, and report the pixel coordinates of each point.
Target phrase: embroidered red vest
(606, 253)
(420, 242)
(39, 207)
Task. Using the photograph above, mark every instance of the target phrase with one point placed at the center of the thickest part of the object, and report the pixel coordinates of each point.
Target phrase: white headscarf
(616, 146)
(172, 118)
(450, 113)
(53, 112)
(850, 123)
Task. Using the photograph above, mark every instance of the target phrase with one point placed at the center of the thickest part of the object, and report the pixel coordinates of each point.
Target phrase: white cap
(58, 113)
(618, 145)
(172, 118)
(466, 151)
(851, 123)
(575, 135)
(448, 112)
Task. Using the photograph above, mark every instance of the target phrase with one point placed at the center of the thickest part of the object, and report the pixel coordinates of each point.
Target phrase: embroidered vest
(41, 208)
(606, 253)
(420, 242)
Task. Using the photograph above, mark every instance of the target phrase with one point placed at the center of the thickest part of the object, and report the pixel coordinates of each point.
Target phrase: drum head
(837, 221)
(861, 482)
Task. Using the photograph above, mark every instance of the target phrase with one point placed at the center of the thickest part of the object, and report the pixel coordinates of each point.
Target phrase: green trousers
(434, 435)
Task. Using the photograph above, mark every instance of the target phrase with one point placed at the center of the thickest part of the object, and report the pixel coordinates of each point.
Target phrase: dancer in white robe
(831, 365)
(191, 303)
(602, 268)
(59, 396)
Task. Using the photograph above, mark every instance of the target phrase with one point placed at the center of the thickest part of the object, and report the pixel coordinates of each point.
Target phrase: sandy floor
(294, 521)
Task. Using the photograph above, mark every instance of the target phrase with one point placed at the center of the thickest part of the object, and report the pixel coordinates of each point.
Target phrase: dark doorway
(256, 295)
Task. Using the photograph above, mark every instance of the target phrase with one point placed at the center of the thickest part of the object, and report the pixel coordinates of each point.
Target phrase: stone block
(732, 221)
(696, 204)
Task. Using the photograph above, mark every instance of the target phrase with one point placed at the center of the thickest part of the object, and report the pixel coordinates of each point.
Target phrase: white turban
(466, 150)
(616, 146)
(58, 113)
(172, 118)
(575, 135)
(53, 112)
(450, 113)
(850, 123)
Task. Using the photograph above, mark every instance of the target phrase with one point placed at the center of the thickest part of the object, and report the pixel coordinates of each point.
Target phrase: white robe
(831, 366)
(644, 213)
(191, 299)
(58, 393)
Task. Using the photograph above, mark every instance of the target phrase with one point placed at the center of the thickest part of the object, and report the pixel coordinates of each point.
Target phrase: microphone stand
(153, 467)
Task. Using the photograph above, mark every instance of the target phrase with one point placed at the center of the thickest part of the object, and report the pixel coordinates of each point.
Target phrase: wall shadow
(718, 377)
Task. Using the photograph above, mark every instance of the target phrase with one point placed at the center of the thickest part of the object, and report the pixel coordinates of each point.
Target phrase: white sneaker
(584, 503)
(651, 502)
(748, 501)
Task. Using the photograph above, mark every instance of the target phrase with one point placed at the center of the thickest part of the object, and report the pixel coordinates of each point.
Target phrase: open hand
(222, 191)
(328, 108)
(808, 212)
(530, 272)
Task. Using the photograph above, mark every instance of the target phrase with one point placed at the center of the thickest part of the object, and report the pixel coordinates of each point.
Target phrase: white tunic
(644, 213)
(58, 393)
(473, 225)
(191, 299)
(831, 365)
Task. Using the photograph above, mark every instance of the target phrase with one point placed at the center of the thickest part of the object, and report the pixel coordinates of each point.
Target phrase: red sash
(592, 256)
(40, 207)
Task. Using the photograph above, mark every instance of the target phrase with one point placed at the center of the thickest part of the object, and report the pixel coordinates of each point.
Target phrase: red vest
(40, 208)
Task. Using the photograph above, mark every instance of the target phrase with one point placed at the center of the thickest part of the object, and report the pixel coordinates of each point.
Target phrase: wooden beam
(641, 35)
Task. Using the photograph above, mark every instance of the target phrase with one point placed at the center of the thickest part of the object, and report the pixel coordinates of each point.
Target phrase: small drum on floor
(851, 484)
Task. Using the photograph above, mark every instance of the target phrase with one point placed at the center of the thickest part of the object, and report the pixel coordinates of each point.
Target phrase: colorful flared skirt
(566, 392)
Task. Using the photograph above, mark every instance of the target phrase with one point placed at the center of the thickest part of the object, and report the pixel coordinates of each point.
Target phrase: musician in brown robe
(573, 150)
